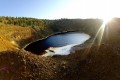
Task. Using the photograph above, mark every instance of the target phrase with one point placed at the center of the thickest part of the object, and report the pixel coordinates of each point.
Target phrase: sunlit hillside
(12, 36)
(7, 44)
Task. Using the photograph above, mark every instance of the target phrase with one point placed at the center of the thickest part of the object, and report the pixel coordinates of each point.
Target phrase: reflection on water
(58, 44)
(66, 42)
(67, 38)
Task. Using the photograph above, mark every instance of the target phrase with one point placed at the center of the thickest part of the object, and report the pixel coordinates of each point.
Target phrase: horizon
(58, 18)
(54, 9)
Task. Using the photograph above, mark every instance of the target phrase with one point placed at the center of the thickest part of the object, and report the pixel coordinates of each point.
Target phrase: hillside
(7, 45)
(102, 64)
(17, 35)
(98, 62)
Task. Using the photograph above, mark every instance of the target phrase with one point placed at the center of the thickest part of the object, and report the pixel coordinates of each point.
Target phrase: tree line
(85, 25)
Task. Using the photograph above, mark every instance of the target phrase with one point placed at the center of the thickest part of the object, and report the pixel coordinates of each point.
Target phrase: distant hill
(53, 25)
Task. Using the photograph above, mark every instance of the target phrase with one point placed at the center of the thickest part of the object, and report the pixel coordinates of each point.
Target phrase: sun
(107, 19)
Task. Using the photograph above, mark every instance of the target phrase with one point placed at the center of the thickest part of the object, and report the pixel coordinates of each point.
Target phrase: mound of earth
(95, 63)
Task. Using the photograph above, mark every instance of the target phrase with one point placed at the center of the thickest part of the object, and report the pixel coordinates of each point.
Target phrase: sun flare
(107, 20)
(102, 29)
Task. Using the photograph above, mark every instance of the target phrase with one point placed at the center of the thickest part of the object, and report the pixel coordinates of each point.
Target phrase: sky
(56, 9)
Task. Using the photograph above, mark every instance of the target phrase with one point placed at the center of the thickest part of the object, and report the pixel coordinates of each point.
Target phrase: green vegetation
(41, 25)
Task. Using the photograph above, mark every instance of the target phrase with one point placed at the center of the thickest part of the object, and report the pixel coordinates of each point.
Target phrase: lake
(57, 44)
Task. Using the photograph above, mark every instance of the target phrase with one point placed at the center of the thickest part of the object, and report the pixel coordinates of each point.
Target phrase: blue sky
(54, 9)
(28, 8)
(31, 8)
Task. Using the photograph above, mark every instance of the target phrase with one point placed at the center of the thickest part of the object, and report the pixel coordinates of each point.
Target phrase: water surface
(57, 44)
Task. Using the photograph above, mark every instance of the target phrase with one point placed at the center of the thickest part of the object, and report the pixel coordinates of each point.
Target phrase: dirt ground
(95, 63)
